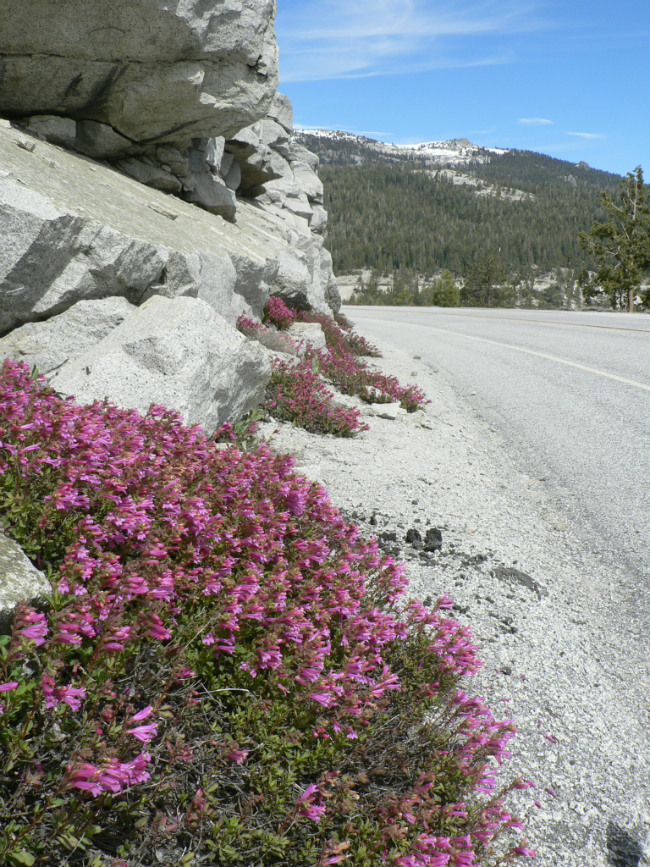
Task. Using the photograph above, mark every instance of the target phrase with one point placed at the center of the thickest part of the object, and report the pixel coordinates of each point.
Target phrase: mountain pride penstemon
(340, 362)
(225, 672)
(297, 392)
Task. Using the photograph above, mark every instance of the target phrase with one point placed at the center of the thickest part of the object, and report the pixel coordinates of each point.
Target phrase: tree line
(513, 217)
(390, 217)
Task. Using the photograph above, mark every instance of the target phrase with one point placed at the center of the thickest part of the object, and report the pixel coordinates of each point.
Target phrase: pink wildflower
(311, 790)
(54, 695)
(324, 698)
(71, 695)
(520, 783)
(157, 629)
(238, 756)
(144, 733)
(142, 714)
(7, 687)
(315, 812)
(36, 626)
(525, 851)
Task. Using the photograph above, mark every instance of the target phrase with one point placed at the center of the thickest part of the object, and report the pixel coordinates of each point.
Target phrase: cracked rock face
(150, 70)
(113, 283)
(177, 352)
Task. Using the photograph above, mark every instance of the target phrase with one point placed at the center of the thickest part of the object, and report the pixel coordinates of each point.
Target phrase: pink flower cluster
(165, 545)
(340, 335)
(270, 337)
(297, 394)
(277, 313)
(111, 776)
(249, 327)
(340, 363)
(352, 377)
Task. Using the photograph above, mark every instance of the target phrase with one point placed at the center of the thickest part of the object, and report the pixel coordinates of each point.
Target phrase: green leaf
(69, 841)
(22, 857)
(24, 687)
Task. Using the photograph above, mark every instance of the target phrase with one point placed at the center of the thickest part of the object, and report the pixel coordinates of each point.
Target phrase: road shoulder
(542, 609)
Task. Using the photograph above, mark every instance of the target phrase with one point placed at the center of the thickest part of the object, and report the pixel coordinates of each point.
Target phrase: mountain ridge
(452, 151)
(444, 151)
(424, 208)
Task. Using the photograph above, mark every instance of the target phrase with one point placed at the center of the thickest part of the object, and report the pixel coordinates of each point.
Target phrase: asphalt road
(568, 393)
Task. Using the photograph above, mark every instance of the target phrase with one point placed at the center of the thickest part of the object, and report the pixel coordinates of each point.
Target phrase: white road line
(575, 364)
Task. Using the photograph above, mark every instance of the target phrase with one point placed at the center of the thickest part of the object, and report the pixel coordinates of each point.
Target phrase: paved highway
(568, 394)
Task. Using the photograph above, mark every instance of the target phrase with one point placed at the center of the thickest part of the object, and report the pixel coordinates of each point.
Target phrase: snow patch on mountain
(456, 152)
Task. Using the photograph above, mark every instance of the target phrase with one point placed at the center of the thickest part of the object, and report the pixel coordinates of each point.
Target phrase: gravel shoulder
(544, 611)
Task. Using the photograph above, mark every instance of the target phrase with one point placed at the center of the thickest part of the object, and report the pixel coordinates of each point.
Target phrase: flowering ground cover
(225, 671)
(271, 338)
(297, 392)
(277, 313)
(340, 362)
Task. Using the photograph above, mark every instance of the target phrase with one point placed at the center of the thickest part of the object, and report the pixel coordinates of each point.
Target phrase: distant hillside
(449, 205)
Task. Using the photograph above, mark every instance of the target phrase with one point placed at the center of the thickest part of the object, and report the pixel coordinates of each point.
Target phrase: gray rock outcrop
(89, 247)
(148, 70)
(176, 352)
(282, 176)
(150, 193)
(48, 345)
(19, 581)
(308, 333)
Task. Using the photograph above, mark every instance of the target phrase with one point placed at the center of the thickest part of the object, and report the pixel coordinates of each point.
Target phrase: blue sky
(568, 78)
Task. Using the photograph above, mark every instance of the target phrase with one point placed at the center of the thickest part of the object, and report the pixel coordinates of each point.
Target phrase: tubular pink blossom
(142, 714)
(324, 698)
(314, 812)
(144, 733)
(7, 687)
(312, 789)
(525, 851)
(238, 756)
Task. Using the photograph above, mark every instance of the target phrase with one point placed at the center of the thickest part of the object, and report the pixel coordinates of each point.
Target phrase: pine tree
(483, 282)
(445, 292)
(621, 246)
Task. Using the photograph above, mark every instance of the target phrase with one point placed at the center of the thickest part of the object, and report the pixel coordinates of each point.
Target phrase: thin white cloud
(326, 39)
(535, 121)
(588, 135)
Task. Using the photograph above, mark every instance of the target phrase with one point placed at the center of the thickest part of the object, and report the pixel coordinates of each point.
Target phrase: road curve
(569, 393)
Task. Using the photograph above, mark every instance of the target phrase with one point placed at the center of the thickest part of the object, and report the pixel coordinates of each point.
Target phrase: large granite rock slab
(19, 581)
(48, 345)
(76, 230)
(84, 248)
(281, 111)
(150, 70)
(52, 257)
(176, 352)
(308, 332)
